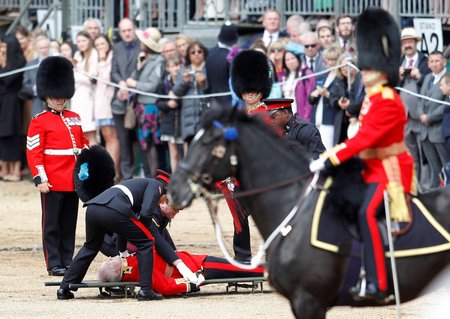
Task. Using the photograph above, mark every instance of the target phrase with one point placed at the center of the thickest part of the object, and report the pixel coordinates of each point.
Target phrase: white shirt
(437, 77)
(267, 40)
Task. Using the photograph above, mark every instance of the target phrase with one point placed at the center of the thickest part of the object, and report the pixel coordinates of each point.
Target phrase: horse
(232, 144)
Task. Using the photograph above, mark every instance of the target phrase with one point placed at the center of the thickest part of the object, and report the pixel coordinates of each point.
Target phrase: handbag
(129, 121)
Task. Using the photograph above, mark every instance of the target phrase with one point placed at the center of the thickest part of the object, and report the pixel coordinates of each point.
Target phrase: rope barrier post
(391, 253)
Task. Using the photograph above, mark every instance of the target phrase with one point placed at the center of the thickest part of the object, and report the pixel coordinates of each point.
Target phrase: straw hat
(150, 37)
(409, 33)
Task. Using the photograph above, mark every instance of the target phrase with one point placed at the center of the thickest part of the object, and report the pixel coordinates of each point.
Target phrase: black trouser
(59, 222)
(241, 240)
(126, 138)
(99, 220)
(220, 268)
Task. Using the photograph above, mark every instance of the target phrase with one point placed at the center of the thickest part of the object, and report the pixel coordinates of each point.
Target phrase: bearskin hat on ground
(94, 172)
(250, 72)
(378, 43)
(55, 78)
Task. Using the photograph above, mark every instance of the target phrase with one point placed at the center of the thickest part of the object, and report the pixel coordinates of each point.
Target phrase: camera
(192, 72)
(407, 72)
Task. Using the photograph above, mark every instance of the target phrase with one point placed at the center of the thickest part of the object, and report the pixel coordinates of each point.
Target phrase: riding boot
(366, 290)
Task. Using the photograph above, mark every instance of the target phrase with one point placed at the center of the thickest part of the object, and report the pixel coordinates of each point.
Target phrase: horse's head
(211, 157)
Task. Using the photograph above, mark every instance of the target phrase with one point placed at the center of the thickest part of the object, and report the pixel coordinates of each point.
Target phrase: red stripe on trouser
(143, 228)
(215, 265)
(377, 244)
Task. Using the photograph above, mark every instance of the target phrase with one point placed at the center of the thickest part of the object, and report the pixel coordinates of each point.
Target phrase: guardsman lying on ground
(167, 280)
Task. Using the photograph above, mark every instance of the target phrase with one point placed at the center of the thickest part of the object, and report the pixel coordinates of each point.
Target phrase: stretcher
(127, 289)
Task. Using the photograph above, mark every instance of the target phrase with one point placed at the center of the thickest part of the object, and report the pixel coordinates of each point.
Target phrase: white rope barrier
(26, 68)
(202, 96)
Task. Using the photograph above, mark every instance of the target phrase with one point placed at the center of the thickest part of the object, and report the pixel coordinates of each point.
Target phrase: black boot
(57, 271)
(193, 287)
(148, 294)
(369, 291)
(64, 294)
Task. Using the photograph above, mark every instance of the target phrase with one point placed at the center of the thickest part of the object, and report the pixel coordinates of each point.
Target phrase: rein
(283, 228)
(265, 189)
(198, 180)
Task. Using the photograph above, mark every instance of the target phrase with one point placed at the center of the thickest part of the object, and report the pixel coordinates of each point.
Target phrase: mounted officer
(379, 142)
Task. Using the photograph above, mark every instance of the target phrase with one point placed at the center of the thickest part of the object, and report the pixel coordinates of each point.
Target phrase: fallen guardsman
(166, 279)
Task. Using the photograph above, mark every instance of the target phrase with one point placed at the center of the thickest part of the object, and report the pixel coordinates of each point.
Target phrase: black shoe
(148, 294)
(64, 294)
(117, 292)
(371, 293)
(57, 271)
(193, 287)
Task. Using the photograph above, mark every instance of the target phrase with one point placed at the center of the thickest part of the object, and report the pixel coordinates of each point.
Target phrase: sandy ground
(22, 275)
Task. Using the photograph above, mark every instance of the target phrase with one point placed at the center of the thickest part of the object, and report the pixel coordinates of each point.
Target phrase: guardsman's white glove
(124, 254)
(317, 165)
(200, 280)
(187, 273)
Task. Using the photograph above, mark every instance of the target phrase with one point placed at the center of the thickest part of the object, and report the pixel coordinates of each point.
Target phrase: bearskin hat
(250, 72)
(55, 78)
(378, 43)
(94, 172)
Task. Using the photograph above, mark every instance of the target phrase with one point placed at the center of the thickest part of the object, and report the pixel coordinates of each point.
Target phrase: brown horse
(309, 277)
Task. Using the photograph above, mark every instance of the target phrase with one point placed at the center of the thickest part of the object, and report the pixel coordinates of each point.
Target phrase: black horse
(309, 277)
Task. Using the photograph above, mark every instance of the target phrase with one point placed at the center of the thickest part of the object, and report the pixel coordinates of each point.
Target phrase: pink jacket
(103, 92)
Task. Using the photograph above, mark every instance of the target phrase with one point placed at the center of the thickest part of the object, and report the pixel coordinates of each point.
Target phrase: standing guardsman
(54, 141)
(380, 143)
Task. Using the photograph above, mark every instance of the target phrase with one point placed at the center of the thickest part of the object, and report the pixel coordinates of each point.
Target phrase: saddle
(334, 231)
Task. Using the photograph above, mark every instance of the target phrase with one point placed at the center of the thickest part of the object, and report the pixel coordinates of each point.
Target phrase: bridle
(200, 182)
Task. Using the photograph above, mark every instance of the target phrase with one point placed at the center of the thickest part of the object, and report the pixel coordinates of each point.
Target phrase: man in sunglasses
(312, 56)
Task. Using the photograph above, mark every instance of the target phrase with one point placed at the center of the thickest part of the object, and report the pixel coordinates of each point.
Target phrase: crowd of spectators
(159, 76)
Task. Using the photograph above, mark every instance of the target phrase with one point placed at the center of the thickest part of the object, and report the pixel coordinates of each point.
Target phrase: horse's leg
(306, 306)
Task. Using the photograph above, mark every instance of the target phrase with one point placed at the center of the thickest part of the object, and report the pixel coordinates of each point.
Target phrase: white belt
(69, 151)
(126, 191)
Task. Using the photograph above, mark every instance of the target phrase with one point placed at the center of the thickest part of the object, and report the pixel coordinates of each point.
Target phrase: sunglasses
(276, 50)
(196, 52)
(312, 46)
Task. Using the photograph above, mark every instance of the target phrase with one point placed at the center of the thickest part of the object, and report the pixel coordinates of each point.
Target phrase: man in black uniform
(293, 127)
(126, 209)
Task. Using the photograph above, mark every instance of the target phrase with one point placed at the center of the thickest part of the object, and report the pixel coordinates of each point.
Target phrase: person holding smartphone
(324, 113)
(346, 95)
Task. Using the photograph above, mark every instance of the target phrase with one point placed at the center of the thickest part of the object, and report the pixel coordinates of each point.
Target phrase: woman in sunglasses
(191, 80)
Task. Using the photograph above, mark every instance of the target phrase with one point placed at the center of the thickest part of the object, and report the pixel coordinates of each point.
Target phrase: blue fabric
(105, 122)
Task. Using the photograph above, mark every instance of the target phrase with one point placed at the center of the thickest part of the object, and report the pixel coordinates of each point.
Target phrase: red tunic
(382, 122)
(166, 279)
(51, 140)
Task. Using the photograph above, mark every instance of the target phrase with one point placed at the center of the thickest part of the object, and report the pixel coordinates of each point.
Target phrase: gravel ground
(22, 275)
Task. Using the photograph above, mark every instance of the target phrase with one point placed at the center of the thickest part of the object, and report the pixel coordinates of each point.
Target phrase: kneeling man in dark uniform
(125, 209)
(293, 127)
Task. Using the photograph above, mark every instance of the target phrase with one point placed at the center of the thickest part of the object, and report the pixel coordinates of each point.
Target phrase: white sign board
(53, 23)
(430, 30)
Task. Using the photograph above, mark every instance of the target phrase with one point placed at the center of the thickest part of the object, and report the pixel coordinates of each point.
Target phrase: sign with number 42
(430, 31)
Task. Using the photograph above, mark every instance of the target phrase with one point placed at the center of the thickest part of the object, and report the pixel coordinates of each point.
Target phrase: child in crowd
(170, 117)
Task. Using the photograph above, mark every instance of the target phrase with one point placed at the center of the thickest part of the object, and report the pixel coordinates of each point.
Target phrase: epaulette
(43, 112)
(387, 93)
